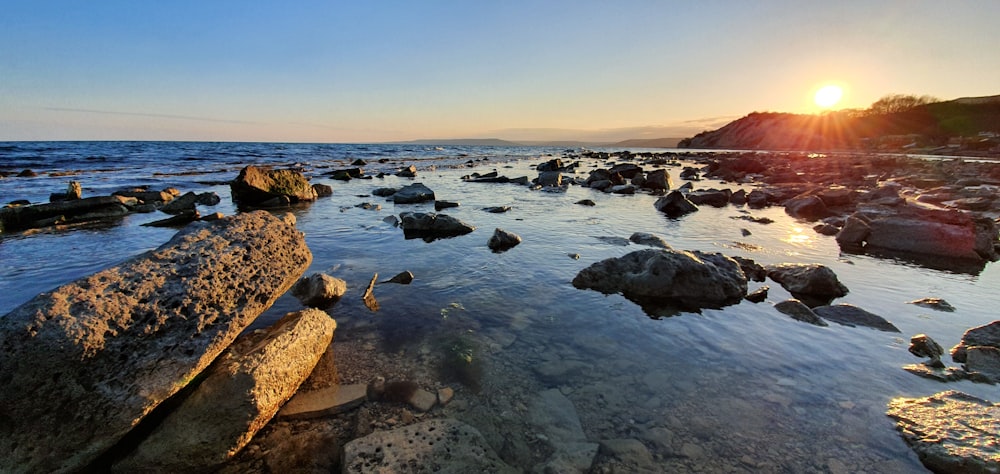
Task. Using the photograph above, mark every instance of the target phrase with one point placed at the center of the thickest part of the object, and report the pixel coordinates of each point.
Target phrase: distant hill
(931, 125)
(461, 142)
(648, 143)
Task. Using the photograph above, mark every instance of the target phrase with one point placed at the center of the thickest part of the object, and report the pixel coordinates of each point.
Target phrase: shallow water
(738, 389)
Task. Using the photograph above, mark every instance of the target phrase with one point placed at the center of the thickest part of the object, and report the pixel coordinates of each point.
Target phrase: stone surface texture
(84, 363)
(693, 277)
(255, 186)
(950, 431)
(440, 446)
(243, 390)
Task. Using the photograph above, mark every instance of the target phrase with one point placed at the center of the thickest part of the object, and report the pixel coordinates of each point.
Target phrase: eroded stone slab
(324, 402)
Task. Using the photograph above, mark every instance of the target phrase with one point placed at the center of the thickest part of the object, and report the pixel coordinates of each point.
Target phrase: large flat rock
(243, 390)
(82, 364)
(950, 431)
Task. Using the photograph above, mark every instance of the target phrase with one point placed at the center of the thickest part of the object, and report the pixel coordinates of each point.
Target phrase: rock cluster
(84, 363)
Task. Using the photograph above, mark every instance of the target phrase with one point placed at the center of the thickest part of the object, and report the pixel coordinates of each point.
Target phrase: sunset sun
(828, 96)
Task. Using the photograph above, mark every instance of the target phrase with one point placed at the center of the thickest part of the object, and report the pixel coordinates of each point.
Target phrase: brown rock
(84, 363)
(257, 187)
(243, 390)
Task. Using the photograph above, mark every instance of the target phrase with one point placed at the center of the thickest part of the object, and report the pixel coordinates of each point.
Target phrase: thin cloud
(142, 114)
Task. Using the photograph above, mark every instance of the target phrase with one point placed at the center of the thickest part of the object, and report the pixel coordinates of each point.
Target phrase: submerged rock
(921, 345)
(850, 315)
(933, 303)
(243, 390)
(64, 212)
(436, 444)
(950, 431)
(84, 363)
(800, 312)
(693, 278)
(652, 240)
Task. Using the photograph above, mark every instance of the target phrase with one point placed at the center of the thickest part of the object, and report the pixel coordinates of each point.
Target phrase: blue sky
(324, 71)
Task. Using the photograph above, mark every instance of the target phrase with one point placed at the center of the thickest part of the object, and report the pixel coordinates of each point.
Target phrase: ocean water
(738, 389)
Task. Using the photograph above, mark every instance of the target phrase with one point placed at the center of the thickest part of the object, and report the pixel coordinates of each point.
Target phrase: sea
(743, 388)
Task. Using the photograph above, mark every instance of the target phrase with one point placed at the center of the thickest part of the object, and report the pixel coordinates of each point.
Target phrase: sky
(376, 71)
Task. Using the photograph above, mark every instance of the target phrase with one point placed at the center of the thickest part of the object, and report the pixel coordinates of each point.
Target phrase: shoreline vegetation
(942, 214)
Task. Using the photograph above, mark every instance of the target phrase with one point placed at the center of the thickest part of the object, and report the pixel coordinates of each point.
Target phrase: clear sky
(329, 71)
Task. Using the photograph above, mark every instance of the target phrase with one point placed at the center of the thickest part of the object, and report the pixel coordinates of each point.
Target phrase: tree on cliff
(894, 103)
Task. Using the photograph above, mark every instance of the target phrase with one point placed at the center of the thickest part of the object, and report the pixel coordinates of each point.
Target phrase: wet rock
(933, 303)
(986, 335)
(800, 312)
(921, 345)
(444, 395)
(950, 431)
(806, 207)
(359, 162)
(984, 361)
(652, 240)
(586, 202)
(753, 270)
(854, 232)
(243, 390)
(319, 290)
(625, 189)
(346, 174)
(502, 240)
(850, 315)
(181, 205)
(658, 179)
(439, 443)
(940, 374)
(432, 226)
(27, 174)
(711, 197)
(146, 196)
(256, 187)
(403, 278)
(758, 295)
(757, 199)
(497, 209)
(64, 212)
(369, 206)
(550, 178)
(918, 231)
(413, 194)
(826, 229)
(408, 172)
(554, 164)
(803, 280)
(179, 220)
(142, 330)
(369, 294)
(73, 191)
(322, 190)
(675, 205)
(441, 205)
(384, 192)
(693, 278)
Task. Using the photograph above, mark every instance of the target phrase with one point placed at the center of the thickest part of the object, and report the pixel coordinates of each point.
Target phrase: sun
(828, 96)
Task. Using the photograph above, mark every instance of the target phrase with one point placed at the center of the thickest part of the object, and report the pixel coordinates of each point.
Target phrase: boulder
(384, 192)
(950, 431)
(711, 197)
(550, 178)
(408, 172)
(84, 363)
(806, 207)
(753, 270)
(181, 205)
(319, 290)
(984, 361)
(402, 278)
(757, 199)
(652, 240)
(675, 205)
(430, 226)
(809, 280)
(243, 390)
(921, 345)
(758, 295)
(440, 205)
(695, 278)
(439, 445)
(987, 335)
(626, 170)
(851, 316)
(258, 186)
(658, 179)
(799, 312)
(413, 194)
(322, 190)
(854, 233)
(503, 240)
(961, 238)
(554, 164)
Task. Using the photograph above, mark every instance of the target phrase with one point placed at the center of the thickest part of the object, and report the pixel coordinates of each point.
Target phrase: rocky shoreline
(874, 205)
